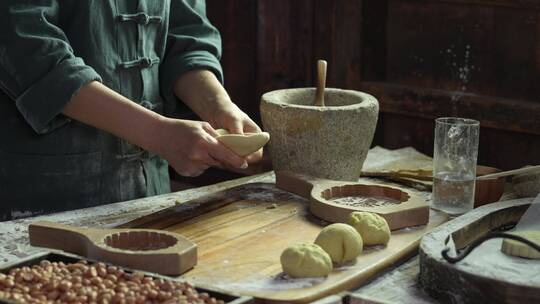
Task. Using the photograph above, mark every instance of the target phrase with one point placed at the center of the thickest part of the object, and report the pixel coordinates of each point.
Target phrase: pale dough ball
(341, 241)
(372, 227)
(243, 144)
(515, 248)
(305, 261)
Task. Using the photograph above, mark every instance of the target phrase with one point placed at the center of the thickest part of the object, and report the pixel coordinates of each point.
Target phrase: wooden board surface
(242, 231)
(134, 248)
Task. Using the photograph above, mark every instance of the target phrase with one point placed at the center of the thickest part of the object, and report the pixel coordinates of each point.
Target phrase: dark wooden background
(421, 59)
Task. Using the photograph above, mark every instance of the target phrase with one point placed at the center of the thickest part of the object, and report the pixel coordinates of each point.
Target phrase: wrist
(203, 93)
(150, 136)
(218, 107)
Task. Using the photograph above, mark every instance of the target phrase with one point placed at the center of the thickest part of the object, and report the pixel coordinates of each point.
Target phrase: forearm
(203, 93)
(188, 146)
(103, 108)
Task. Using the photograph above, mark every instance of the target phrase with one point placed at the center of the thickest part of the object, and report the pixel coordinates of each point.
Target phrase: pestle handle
(321, 83)
(510, 172)
(58, 236)
(297, 183)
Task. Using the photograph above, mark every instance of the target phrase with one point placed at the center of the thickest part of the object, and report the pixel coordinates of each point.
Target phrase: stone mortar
(327, 142)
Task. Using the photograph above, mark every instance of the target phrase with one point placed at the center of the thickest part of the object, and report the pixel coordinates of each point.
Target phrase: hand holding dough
(305, 261)
(341, 241)
(372, 227)
(243, 144)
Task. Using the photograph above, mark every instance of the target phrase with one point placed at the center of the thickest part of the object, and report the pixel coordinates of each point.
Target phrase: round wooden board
(487, 275)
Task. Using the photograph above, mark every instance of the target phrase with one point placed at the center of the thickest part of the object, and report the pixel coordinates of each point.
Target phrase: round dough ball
(341, 241)
(306, 260)
(372, 227)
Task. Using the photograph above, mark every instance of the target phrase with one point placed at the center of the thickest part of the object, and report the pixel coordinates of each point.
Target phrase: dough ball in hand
(341, 241)
(305, 261)
(372, 227)
(243, 144)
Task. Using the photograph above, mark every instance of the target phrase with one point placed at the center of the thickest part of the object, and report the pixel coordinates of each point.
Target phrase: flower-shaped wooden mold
(333, 201)
(144, 249)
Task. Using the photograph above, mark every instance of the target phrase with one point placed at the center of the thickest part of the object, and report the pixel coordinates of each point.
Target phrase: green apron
(49, 49)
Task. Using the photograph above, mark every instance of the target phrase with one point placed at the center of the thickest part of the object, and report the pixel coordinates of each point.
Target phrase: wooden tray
(70, 258)
(241, 232)
(486, 275)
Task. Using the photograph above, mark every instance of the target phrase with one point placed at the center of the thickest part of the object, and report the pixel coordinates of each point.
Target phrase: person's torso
(77, 165)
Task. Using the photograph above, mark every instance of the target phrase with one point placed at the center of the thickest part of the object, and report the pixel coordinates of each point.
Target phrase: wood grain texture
(284, 45)
(143, 249)
(505, 150)
(430, 104)
(237, 23)
(526, 4)
(374, 46)
(241, 241)
(405, 210)
(337, 34)
(321, 83)
(486, 50)
(480, 57)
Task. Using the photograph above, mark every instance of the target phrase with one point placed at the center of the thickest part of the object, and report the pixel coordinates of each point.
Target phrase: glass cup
(454, 164)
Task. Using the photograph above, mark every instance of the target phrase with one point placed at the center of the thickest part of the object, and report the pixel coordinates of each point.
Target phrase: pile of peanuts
(57, 282)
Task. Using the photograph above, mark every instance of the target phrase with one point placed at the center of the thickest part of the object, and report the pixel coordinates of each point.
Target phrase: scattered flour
(278, 283)
(489, 260)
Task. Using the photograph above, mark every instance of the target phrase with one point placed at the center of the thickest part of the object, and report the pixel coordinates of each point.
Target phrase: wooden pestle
(532, 169)
(321, 83)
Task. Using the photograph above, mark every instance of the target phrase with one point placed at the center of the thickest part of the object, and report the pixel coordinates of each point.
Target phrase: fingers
(200, 154)
(209, 129)
(237, 127)
(251, 127)
(191, 173)
(191, 148)
(209, 151)
(224, 155)
(241, 126)
(255, 156)
(191, 169)
(217, 153)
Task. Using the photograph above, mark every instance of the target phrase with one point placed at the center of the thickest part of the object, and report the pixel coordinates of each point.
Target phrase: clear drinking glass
(454, 164)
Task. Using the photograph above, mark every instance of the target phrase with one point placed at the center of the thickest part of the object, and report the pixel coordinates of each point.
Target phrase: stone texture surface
(327, 142)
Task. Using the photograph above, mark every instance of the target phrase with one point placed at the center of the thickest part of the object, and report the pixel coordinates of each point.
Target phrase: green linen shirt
(49, 49)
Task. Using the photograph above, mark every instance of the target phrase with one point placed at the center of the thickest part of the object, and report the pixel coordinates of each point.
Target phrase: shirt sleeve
(38, 69)
(192, 43)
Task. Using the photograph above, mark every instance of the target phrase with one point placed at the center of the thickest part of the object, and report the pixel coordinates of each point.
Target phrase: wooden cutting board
(241, 232)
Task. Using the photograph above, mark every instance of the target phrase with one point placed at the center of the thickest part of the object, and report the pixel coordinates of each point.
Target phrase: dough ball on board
(305, 261)
(341, 241)
(372, 227)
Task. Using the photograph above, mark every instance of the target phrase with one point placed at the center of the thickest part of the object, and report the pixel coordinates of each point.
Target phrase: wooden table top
(396, 285)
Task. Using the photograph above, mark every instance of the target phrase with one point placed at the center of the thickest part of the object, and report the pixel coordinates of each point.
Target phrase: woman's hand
(228, 116)
(231, 118)
(190, 147)
(204, 94)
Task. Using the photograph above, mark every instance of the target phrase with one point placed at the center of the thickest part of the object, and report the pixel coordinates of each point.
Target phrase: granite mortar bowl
(328, 142)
